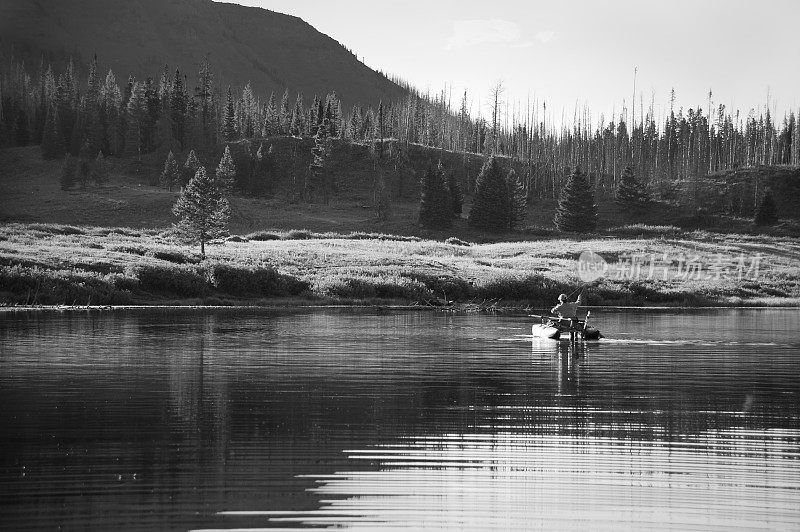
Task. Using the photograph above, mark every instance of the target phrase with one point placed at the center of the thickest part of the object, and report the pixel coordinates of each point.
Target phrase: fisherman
(567, 310)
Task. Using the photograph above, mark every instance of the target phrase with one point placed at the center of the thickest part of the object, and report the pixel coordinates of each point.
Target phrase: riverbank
(49, 264)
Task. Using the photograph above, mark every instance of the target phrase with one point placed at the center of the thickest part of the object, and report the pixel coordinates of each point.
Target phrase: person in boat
(567, 310)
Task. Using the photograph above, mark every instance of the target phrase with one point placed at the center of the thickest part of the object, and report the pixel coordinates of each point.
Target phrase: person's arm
(580, 298)
(555, 309)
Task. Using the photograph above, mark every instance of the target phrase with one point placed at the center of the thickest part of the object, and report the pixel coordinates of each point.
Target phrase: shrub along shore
(50, 264)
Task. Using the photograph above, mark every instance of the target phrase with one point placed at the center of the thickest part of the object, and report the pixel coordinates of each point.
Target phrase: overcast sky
(568, 51)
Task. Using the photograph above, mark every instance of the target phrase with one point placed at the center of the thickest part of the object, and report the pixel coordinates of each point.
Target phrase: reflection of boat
(552, 327)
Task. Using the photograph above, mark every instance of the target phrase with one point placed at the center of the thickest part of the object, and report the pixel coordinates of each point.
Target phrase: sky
(575, 53)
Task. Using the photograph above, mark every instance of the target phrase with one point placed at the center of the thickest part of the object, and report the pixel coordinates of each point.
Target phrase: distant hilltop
(271, 50)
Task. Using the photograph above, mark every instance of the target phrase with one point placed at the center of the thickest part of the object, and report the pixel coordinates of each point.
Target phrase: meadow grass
(63, 264)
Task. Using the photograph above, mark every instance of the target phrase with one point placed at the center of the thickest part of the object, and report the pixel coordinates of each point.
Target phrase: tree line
(94, 116)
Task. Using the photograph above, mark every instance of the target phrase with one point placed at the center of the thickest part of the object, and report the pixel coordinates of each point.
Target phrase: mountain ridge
(270, 50)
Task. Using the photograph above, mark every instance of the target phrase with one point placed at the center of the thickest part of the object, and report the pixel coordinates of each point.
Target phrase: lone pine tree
(767, 212)
(576, 210)
(203, 210)
(491, 206)
(435, 208)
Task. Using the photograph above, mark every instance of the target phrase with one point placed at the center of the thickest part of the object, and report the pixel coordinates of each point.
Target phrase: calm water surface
(214, 420)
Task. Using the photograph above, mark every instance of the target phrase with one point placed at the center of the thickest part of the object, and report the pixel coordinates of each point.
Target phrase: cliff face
(271, 50)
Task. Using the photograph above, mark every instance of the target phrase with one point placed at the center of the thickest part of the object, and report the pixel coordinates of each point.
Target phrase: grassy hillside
(272, 50)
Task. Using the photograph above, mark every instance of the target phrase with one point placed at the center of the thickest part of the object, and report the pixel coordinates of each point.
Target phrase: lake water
(228, 419)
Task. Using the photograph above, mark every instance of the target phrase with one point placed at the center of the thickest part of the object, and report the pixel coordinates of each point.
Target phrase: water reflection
(219, 420)
(517, 480)
(566, 466)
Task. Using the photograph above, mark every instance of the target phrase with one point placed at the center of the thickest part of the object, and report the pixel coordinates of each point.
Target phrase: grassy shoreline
(50, 264)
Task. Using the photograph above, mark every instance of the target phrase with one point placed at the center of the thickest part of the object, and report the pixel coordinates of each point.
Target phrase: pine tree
(339, 119)
(320, 115)
(152, 104)
(456, 195)
(190, 167)
(331, 109)
(95, 130)
(355, 125)
(203, 210)
(110, 102)
(136, 116)
(336, 116)
(226, 171)
(516, 200)
(248, 112)
(164, 90)
(272, 123)
(490, 206)
(767, 212)
(206, 112)
(99, 170)
(435, 208)
(171, 174)
(313, 117)
(368, 125)
(576, 210)
(69, 172)
(319, 163)
(297, 126)
(285, 113)
(631, 194)
(177, 109)
(64, 103)
(229, 131)
(52, 141)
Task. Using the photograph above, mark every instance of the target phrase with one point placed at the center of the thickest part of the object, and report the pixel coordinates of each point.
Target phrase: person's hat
(562, 297)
